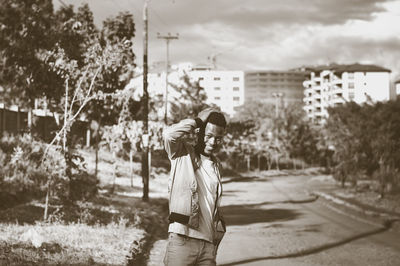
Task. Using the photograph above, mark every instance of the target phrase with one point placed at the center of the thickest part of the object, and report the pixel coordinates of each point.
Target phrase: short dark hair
(217, 118)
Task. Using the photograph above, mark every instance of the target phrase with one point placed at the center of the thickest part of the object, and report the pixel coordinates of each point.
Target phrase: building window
(217, 78)
(217, 98)
(351, 95)
(351, 85)
(201, 78)
(217, 88)
(236, 88)
(351, 75)
(235, 79)
(236, 99)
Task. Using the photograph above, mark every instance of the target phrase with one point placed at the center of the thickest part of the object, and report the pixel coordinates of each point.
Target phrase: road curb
(388, 219)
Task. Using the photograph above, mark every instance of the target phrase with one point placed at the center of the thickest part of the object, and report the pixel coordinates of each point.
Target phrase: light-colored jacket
(182, 186)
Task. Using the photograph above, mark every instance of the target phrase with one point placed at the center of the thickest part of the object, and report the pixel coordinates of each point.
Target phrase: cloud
(260, 13)
(347, 50)
(261, 34)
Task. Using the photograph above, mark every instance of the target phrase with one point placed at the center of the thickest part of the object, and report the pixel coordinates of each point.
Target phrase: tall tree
(25, 35)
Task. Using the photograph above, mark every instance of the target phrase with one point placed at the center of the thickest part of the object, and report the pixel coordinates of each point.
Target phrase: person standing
(196, 226)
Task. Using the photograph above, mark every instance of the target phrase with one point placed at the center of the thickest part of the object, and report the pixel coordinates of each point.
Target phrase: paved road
(273, 221)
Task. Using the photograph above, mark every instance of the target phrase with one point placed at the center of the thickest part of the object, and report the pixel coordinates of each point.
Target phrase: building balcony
(308, 90)
(338, 99)
(316, 87)
(318, 114)
(336, 81)
(308, 99)
(308, 107)
(336, 89)
(307, 83)
(317, 96)
(322, 113)
(317, 103)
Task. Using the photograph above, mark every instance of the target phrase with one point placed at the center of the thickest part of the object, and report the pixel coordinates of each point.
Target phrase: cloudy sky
(265, 34)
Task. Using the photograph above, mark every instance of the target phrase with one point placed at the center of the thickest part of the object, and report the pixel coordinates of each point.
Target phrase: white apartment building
(224, 88)
(397, 88)
(334, 85)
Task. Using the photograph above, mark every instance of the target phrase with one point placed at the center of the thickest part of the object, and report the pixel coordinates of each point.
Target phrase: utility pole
(167, 39)
(145, 137)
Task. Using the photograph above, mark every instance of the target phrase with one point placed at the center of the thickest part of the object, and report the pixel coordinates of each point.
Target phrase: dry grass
(104, 231)
(69, 244)
(158, 176)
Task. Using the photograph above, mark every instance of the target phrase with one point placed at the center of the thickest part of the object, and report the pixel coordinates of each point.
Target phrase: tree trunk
(97, 156)
(18, 120)
(29, 119)
(3, 122)
(131, 166)
(68, 169)
(114, 171)
(145, 180)
(46, 205)
(343, 179)
(258, 162)
(97, 134)
(277, 162)
(269, 163)
(149, 162)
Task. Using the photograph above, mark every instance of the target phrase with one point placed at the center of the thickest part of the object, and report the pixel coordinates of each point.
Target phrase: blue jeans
(185, 251)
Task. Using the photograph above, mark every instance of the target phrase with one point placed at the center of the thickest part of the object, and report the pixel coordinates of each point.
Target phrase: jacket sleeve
(173, 137)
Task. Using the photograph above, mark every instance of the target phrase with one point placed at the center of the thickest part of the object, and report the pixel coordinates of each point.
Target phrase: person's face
(213, 137)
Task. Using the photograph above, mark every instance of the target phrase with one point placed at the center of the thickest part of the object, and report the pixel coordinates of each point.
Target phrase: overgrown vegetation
(102, 232)
(22, 174)
(366, 142)
(263, 136)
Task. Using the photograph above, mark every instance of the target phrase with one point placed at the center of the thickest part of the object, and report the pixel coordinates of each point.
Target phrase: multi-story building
(268, 85)
(224, 88)
(333, 85)
(397, 88)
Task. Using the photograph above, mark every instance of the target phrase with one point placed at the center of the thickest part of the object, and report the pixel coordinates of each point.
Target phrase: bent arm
(174, 135)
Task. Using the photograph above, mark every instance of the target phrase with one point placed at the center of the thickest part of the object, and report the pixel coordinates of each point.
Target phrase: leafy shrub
(25, 174)
(367, 142)
(22, 175)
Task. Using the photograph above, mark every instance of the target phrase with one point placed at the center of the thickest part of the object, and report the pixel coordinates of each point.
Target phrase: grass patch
(110, 229)
(72, 244)
(106, 231)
